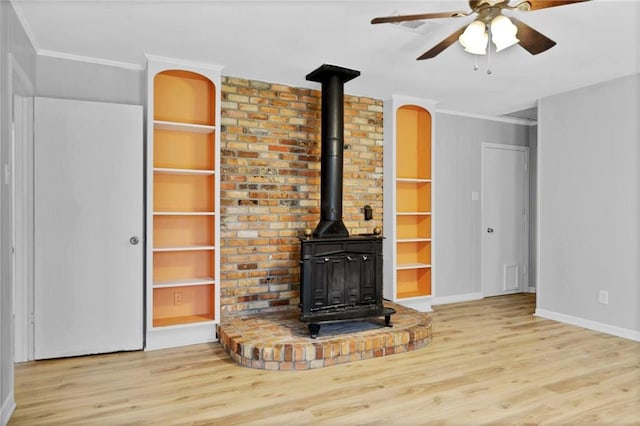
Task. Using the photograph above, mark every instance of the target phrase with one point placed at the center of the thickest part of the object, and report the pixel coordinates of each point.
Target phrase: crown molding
(90, 60)
(502, 119)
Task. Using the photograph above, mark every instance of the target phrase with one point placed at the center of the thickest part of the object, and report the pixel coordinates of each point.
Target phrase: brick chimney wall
(270, 186)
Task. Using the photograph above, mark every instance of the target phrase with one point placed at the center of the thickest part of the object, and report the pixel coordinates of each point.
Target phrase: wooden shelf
(413, 180)
(183, 127)
(405, 266)
(413, 240)
(183, 248)
(183, 171)
(185, 282)
(413, 213)
(189, 213)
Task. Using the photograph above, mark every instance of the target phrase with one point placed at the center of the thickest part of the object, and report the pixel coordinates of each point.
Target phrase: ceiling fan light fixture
(503, 32)
(474, 39)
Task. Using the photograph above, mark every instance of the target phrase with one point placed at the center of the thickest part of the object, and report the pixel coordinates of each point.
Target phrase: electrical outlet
(603, 297)
(177, 298)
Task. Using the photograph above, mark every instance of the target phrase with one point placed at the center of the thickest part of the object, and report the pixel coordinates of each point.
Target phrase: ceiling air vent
(412, 25)
(420, 26)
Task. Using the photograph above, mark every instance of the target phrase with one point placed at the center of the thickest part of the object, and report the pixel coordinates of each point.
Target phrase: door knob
(134, 240)
(490, 230)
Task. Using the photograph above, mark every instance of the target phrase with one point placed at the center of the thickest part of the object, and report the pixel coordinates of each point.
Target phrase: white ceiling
(282, 41)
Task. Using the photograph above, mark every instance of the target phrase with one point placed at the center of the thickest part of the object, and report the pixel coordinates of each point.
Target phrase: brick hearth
(280, 341)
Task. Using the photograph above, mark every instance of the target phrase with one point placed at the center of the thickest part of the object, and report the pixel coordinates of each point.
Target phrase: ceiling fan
(489, 15)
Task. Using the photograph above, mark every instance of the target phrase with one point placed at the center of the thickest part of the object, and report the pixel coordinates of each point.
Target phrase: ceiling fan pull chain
(475, 62)
(489, 55)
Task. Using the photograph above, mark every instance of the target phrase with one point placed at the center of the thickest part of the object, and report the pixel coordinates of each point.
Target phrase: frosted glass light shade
(503, 32)
(474, 38)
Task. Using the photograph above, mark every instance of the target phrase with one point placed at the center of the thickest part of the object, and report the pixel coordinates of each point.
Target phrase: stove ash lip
(332, 79)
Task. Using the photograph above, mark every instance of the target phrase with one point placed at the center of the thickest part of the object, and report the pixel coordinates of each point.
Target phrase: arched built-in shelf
(183, 202)
(408, 203)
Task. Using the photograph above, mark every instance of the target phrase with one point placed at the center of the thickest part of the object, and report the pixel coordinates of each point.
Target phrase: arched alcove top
(416, 108)
(413, 142)
(184, 97)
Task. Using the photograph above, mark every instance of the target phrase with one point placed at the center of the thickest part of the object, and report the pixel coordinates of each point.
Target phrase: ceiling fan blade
(418, 17)
(438, 48)
(543, 4)
(531, 40)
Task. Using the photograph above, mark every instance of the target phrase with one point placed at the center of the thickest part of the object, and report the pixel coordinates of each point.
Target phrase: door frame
(524, 286)
(22, 221)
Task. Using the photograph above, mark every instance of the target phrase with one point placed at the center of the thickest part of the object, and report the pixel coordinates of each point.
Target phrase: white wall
(69, 79)
(589, 208)
(457, 155)
(14, 41)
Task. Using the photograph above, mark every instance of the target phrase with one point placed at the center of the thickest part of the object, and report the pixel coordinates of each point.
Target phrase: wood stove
(341, 276)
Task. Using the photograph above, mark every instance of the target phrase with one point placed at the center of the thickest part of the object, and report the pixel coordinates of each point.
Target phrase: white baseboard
(8, 406)
(591, 325)
(457, 298)
(422, 304)
(171, 337)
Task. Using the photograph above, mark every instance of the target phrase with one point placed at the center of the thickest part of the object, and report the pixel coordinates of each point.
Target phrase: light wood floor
(490, 362)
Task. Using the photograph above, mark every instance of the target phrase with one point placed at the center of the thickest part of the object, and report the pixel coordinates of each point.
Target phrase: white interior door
(88, 206)
(505, 204)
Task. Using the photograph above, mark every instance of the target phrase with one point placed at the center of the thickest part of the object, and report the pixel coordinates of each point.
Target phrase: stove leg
(387, 321)
(314, 329)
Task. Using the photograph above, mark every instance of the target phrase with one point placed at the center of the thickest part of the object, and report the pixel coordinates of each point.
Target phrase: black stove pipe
(332, 78)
